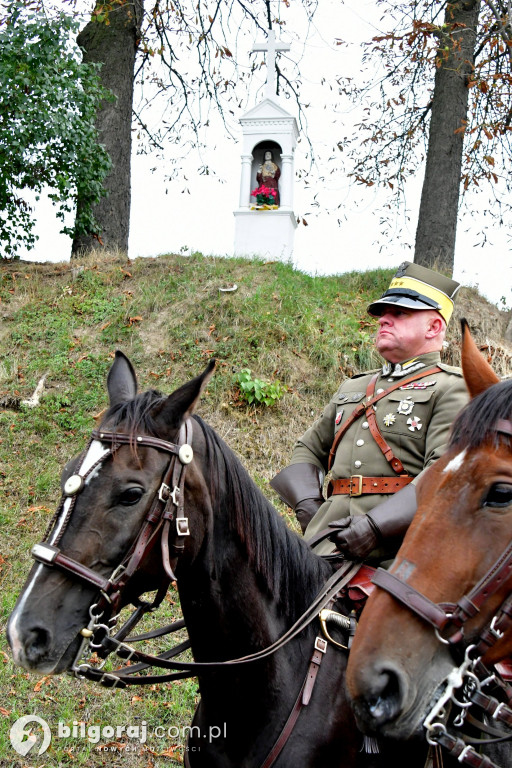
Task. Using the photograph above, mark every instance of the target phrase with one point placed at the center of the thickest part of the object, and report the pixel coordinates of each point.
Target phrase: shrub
(258, 392)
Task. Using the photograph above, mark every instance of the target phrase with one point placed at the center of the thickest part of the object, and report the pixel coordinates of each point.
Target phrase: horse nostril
(37, 643)
(383, 702)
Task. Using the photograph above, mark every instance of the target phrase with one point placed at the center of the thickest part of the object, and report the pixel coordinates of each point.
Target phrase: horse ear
(183, 401)
(478, 374)
(121, 380)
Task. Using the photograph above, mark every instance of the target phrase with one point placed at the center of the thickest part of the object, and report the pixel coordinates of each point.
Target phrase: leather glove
(358, 536)
(300, 487)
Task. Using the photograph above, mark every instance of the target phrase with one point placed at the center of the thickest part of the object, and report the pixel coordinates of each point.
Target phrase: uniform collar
(398, 370)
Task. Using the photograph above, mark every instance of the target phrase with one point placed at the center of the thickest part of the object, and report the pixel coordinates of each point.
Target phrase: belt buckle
(359, 480)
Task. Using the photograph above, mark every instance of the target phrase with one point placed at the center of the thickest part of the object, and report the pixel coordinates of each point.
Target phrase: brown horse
(155, 493)
(438, 619)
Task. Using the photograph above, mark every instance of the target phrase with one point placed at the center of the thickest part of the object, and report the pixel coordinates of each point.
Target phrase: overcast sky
(196, 212)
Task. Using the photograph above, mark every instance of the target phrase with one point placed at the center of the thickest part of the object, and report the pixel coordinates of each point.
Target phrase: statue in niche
(268, 175)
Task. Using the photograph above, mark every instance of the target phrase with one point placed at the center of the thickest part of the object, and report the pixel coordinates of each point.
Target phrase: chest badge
(418, 385)
(405, 406)
(389, 419)
(339, 416)
(414, 424)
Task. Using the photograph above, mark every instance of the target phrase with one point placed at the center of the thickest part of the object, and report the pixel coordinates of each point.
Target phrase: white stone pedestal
(268, 234)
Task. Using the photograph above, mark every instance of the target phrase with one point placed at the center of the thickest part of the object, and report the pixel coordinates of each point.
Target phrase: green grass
(64, 322)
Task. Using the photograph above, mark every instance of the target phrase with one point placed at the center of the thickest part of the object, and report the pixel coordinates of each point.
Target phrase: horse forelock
(289, 569)
(137, 415)
(477, 422)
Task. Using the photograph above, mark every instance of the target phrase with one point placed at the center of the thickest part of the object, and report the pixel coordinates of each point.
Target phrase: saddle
(360, 588)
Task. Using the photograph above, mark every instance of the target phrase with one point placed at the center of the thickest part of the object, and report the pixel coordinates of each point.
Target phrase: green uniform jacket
(414, 421)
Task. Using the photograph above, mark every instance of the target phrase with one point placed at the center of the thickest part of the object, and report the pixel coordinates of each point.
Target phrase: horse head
(97, 553)
(439, 599)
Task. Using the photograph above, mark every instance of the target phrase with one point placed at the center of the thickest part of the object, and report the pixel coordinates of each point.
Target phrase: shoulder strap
(368, 403)
(387, 451)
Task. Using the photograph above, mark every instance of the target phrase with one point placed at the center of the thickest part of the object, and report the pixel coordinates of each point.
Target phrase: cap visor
(377, 308)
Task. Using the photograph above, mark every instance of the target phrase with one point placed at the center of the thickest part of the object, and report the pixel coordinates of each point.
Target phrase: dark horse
(244, 578)
(440, 619)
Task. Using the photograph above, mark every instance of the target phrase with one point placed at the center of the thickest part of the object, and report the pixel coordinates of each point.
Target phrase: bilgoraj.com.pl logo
(30, 733)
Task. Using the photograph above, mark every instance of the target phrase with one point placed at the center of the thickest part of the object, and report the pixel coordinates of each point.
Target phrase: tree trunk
(437, 221)
(113, 44)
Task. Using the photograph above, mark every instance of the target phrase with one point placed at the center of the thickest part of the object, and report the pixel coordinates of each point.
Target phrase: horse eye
(499, 495)
(131, 496)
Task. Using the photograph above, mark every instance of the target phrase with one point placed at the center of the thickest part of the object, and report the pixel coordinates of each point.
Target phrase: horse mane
(286, 567)
(476, 424)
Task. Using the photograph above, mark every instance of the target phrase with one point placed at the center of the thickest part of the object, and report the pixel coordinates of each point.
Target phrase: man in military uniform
(382, 429)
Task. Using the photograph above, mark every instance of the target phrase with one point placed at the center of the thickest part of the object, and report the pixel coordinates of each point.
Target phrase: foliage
(256, 391)
(48, 103)
(390, 141)
(264, 195)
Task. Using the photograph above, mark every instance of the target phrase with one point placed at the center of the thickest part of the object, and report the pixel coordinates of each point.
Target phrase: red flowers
(264, 195)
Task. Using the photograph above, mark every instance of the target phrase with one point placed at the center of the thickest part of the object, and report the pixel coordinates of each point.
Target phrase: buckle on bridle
(493, 630)
(116, 573)
(44, 553)
(359, 488)
(164, 492)
(182, 526)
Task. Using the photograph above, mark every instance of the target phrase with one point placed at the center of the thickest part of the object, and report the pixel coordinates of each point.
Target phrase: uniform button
(360, 443)
(357, 464)
(390, 379)
(365, 425)
(379, 391)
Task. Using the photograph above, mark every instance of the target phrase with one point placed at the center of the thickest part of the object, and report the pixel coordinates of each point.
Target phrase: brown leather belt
(357, 485)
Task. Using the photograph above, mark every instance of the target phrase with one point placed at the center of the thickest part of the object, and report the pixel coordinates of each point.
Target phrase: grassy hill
(60, 326)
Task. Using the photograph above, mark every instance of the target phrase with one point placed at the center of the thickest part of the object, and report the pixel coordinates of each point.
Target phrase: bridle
(464, 685)
(164, 518)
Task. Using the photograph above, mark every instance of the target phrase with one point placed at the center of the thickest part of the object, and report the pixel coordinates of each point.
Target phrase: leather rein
(166, 518)
(464, 685)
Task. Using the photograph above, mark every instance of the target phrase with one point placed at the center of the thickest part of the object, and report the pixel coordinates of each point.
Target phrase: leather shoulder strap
(394, 462)
(366, 404)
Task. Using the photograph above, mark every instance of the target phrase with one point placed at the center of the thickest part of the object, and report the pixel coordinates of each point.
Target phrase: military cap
(417, 287)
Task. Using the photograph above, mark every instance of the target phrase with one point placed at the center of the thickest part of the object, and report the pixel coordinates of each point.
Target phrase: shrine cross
(272, 48)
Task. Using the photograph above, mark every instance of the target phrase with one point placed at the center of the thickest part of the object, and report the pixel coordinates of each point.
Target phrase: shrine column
(245, 181)
(286, 181)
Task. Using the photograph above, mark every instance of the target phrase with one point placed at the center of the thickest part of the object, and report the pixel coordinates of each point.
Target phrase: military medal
(414, 423)
(338, 417)
(418, 385)
(389, 419)
(405, 406)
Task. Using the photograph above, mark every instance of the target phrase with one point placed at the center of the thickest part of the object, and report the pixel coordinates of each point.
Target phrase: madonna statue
(268, 174)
